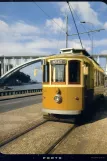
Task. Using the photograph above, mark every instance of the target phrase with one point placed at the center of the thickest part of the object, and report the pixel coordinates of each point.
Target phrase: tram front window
(58, 73)
(74, 72)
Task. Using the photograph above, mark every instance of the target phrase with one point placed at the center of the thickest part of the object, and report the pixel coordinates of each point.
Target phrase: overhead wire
(49, 16)
(89, 35)
(60, 26)
(81, 23)
(53, 22)
(75, 24)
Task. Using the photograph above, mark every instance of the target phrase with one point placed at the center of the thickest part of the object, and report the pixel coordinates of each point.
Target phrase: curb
(20, 96)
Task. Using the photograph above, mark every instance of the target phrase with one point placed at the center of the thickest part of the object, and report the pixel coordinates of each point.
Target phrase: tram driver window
(74, 72)
(46, 73)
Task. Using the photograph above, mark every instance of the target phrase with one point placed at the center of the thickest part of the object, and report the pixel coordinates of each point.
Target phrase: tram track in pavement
(56, 143)
(51, 148)
(24, 132)
(67, 128)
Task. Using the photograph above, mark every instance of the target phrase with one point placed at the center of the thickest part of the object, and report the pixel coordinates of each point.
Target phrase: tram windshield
(58, 73)
(74, 72)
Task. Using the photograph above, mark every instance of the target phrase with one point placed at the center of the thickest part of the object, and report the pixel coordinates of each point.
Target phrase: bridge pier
(2, 71)
(4, 65)
(17, 62)
(98, 60)
(21, 60)
(9, 64)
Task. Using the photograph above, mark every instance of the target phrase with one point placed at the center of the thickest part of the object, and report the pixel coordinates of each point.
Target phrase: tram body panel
(72, 98)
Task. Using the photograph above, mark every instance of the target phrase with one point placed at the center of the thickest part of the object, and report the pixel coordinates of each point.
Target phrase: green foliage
(17, 79)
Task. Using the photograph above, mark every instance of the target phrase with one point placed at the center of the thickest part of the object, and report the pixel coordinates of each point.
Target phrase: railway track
(51, 148)
(17, 136)
(48, 147)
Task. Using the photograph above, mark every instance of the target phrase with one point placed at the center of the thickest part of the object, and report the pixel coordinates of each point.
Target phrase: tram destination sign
(59, 61)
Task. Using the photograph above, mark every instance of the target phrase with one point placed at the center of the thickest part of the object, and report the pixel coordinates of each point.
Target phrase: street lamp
(92, 35)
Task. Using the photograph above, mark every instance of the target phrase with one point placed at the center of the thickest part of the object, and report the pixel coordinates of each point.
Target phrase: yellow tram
(70, 80)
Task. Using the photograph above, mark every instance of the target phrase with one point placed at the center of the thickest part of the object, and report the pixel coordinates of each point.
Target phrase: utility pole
(66, 31)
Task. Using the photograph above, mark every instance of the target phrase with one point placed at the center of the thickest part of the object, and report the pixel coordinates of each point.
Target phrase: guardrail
(16, 92)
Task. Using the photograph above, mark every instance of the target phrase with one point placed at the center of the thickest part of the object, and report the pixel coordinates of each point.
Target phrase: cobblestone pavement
(38, 140)
(91, 136)
(16, 121)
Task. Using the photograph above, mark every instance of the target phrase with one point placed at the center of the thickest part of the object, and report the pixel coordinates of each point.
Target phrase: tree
(17, 78)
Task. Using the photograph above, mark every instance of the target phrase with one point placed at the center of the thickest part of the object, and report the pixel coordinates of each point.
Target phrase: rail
(16, 92)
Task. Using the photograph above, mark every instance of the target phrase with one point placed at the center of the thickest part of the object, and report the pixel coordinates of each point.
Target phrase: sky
(26, 30)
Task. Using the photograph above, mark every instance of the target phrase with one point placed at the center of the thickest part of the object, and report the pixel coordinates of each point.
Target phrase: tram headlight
(58, 98)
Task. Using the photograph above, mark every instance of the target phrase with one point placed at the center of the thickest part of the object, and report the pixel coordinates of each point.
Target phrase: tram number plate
(60, 61)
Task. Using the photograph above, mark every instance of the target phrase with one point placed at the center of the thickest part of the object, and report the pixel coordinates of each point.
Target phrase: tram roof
(76, 51)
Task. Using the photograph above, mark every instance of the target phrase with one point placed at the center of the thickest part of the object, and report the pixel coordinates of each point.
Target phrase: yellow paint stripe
(56, 85)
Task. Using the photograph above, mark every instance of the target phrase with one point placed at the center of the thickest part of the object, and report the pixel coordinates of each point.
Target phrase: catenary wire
(75, 24)
(89, 36)
(49, 16)
(81, 24)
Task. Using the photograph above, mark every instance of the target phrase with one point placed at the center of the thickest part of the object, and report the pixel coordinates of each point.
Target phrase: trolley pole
(66, 31)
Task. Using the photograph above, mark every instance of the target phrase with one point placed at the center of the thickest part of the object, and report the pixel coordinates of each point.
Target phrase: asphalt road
(12, 104)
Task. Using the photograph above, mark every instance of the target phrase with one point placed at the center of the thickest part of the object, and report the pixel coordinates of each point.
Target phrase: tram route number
(60, 61)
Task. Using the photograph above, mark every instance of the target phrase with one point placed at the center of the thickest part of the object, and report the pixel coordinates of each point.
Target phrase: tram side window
(46, 73)
(102, 80)
(74, 72)
(97, 77)
(94, 77)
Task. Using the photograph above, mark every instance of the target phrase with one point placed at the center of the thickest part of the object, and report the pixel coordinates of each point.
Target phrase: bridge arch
(19, 67)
